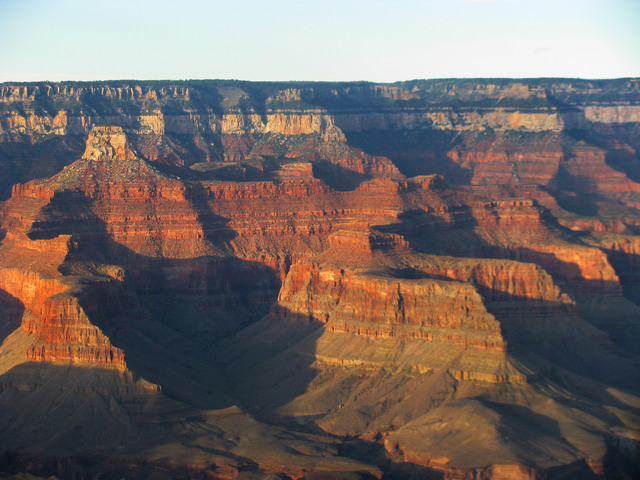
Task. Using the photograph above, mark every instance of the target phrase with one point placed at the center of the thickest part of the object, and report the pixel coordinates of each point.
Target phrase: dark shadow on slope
(338, 177)
(112, 467)
(98, 426)
(556, 332)
(215, 227)
(627, 267)
(437, 235)
(103, 411)
(536, 329)
(561, 231)
(188, 149)
(329, 475)
(175, 340)
(11, 311)
(414, 152)
(620, 142)
(623, 457)
(578, 469)
(520, 424)
(21, 161)
(274, 357)
(568, 191)
(374, 453)
(574, 193)
(64, 409)
(571, 114)
(595, 299)
(257, 171)
(562, 271)
(625, 161)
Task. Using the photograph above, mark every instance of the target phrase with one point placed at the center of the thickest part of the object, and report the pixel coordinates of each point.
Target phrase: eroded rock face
(382, 307)
(303, 274)
(496, 134)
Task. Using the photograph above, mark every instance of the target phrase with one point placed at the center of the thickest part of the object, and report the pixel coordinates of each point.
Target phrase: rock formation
(433, 279)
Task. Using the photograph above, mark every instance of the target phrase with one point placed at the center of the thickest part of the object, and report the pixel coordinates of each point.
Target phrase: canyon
(224, 279)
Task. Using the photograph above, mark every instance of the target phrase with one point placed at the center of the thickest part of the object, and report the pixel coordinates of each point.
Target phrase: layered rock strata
(298, 260)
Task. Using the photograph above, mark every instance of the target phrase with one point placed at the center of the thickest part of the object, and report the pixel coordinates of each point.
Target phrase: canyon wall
(438, 274)
(486, 131)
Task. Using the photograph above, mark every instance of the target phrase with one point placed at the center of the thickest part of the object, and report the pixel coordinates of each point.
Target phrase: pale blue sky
(377, 40)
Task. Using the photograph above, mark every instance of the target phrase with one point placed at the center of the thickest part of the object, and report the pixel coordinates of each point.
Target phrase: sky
(317, 40)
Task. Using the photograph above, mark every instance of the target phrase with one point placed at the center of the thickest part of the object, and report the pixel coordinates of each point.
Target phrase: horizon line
(186, 80)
